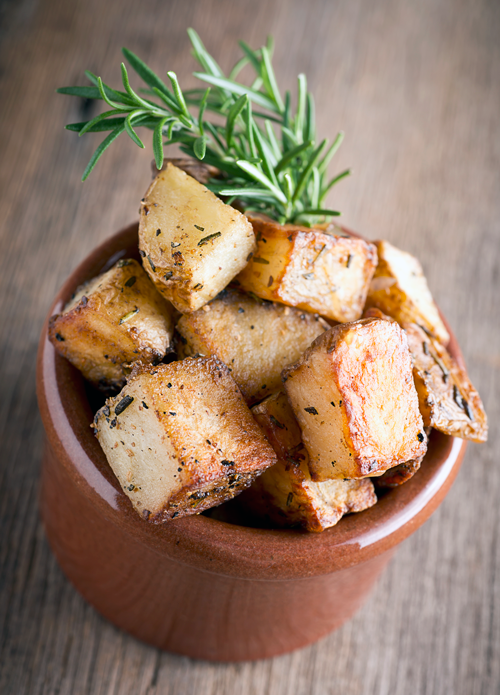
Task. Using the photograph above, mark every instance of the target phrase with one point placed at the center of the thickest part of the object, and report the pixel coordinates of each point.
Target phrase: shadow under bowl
(198, 586)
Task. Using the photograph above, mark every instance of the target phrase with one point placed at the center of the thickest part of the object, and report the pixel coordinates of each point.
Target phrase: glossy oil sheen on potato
(180, 438)
(191, 242)
(354, 398)
(310, 269)
(285, 494)
(399, 288)
(115, 319)
(255, 339)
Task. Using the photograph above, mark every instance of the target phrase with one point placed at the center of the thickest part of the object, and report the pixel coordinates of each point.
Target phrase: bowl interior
(68, 405)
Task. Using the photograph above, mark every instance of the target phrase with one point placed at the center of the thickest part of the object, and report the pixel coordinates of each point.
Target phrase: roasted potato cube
(115, 319)
(399, 289)
(448, 401)
(180, 438)
(192, 244)
(255, 339)
(310, 269)
(354, 398)
(285, 493)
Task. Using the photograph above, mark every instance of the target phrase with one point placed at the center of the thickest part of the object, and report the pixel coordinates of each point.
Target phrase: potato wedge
(285, 494)
(115, 319)
(256, 339)
(192, 244)
(448, 401)
(180, 438)
(310, 269)
(354, 398)
(399, 289)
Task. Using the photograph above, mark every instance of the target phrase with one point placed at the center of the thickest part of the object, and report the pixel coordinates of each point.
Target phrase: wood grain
(416, 88)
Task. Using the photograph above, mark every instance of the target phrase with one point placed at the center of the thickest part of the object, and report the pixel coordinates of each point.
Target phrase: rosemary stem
(272, 164)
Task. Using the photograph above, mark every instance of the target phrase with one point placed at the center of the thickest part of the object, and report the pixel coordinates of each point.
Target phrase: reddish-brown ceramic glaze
(198, 586)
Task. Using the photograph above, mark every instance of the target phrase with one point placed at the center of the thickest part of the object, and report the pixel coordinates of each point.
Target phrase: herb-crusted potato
(310, 269)
(448, 400)
(399, 289)
(192, 244)
(255, 339)
(354, 398)
(180, 438)
(115, 319)
(285, 493)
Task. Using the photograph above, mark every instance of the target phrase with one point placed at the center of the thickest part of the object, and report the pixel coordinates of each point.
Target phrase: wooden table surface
(416, 87)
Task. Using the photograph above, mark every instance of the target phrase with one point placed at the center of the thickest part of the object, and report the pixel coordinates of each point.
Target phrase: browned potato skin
(404, 471)
(374, 313)
(398, 475)
(192, 244)
(448, 401)
(255, 339)
(193, 167)
(98, 333)
(206, 442)
(354, 398)
(311, 269)
(285, 493)
(399, 289)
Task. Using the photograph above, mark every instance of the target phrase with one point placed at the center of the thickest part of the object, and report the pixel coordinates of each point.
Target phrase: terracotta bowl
(197, 586)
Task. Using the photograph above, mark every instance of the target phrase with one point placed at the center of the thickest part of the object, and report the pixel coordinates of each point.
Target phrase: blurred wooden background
(416, 87)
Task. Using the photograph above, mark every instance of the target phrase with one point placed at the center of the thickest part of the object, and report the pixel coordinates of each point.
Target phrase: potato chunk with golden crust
(448, 401)
(115, 319)
(255, 339)
(192, 244)
(399, 289)
(310, 269)
(285, 493)
(180, 438)
(354, 398)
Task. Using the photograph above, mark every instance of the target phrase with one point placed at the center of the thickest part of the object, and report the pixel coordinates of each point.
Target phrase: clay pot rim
(208, 544)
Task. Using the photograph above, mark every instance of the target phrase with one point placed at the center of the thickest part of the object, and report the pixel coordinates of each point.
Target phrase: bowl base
(183, 609)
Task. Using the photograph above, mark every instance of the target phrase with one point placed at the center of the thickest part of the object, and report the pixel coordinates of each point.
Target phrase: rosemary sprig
(269, 158)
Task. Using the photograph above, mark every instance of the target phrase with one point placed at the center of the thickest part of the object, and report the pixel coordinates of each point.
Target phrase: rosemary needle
(268, 158)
